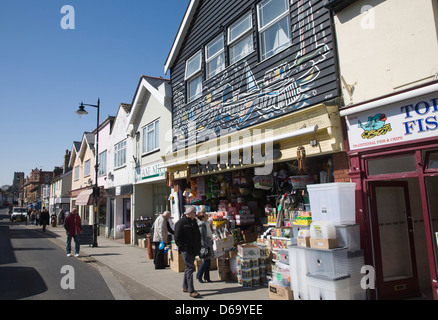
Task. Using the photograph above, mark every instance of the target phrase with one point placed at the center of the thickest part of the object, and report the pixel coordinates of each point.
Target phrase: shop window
(240, 40)
(215, 57)
(432, 161)
(431, 187)
(274, 27)
(392, 165)
(193, 77)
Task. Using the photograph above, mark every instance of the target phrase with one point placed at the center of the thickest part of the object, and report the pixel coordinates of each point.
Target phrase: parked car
(19, 214)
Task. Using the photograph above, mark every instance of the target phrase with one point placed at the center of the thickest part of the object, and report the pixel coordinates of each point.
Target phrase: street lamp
(96, 192)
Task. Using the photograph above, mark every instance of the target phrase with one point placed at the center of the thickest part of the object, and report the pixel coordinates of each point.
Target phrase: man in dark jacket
(188, 240)
(45, 219)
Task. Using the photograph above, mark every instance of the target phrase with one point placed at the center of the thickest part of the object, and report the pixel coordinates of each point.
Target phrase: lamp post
(96, 192)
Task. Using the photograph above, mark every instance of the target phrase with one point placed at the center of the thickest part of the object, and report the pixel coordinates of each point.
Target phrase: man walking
(73, 227)
(161, 233)
(45, 219)
(188, 240)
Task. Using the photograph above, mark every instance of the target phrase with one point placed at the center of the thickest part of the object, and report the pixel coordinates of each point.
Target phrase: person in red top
(73, 227)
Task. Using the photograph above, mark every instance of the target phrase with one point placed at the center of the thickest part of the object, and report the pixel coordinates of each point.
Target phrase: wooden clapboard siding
(310, 57)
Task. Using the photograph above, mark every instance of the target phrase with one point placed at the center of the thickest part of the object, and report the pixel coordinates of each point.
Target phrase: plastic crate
(321, 288)
(348, 236)
(334, 202)
(298, 270)
(330, 263)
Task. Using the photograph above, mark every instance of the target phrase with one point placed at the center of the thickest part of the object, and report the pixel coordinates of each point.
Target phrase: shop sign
(401, 122)
(150, 172)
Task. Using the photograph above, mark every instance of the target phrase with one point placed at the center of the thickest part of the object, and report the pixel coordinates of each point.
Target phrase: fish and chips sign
(150, 172)
(405, 121)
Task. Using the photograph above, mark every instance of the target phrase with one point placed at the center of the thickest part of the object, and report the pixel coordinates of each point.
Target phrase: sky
(53, 57)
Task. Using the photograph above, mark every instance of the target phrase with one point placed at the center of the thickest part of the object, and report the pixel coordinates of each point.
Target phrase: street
(34, 266)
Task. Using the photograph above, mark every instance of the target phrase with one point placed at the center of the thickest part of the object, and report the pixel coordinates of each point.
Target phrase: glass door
(394, 251)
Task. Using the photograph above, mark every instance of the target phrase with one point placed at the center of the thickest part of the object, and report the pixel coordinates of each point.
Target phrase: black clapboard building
(238, 65)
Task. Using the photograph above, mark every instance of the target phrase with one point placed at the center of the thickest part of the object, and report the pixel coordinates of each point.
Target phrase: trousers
(189, 261)
(77, 246)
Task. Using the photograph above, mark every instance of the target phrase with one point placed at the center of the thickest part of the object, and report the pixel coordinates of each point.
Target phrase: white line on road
(113, 284)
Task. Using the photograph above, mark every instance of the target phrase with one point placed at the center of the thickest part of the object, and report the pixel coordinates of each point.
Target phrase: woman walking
(203, 274)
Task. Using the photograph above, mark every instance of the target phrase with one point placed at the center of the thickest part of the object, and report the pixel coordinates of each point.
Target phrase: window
(151, 137)
(76, 173)
(102, 163)
(240, 39)
(194, 77)
(215, 57)
(120, 154)
(274, 27)
(87, 166)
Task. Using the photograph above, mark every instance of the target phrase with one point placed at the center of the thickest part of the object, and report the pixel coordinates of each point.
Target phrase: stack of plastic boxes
(332, 274)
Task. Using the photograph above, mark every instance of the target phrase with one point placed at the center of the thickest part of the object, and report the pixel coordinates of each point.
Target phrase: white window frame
(87, 168)
(209, 60)
(194, 75)
(247, 33)
(273, 22)
(76, 173)
(151, 128)
(120, 154)
(103, 158)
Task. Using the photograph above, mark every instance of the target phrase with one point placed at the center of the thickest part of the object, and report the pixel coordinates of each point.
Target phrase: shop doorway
(111, 218)
(393, 240)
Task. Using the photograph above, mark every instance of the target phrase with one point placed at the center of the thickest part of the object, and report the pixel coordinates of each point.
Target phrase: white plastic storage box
(330, 263)
(321, 288)
(334, 202)
(355, 262)
(298, 270)
(348, 236)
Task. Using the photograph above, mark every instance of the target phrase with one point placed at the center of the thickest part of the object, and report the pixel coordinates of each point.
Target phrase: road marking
(113, 284)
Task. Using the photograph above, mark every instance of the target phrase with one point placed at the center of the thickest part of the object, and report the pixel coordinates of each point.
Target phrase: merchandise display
(286, 230)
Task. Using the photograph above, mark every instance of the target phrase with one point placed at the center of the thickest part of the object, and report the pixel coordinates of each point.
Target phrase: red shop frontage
(392, 144)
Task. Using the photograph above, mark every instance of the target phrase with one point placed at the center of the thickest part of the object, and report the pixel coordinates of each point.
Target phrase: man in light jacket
(73, 227)
(161, 233)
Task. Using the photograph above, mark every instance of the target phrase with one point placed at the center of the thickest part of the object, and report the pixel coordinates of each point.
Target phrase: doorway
(392, 226)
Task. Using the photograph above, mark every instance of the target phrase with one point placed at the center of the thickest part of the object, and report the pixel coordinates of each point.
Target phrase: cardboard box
(142, 243)
(323, 243)
(280, 293)
(303, 242)
(176, 260)
(250, 251)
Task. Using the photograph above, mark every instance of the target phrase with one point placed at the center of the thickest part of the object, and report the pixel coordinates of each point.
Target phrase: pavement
(133, 262)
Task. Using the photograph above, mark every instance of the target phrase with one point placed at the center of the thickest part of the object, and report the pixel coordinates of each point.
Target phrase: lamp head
(81, 111)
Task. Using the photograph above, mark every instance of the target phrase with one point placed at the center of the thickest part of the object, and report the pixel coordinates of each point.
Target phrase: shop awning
(85, 198)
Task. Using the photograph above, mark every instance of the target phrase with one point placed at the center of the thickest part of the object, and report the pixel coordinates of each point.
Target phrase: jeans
(189, 260)
(204, 270)
(76, 239)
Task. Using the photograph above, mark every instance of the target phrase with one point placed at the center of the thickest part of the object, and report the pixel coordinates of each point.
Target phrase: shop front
(150, 198)
(393, 152)
(253, 186)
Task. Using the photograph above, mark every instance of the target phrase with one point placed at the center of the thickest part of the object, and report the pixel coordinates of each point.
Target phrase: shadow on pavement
(20, 282)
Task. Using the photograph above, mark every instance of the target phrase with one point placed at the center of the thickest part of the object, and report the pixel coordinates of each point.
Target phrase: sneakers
(76, 255)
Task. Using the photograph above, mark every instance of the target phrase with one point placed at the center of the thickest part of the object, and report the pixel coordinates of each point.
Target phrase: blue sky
(46, 71)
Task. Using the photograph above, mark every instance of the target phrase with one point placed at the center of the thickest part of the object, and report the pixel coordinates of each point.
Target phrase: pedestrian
(32, 217)
(73, 228)
(161, 232)
(188, 240)
(61, 217)
(37, 218)
(207, 254)
(53, 219)
(45, 219)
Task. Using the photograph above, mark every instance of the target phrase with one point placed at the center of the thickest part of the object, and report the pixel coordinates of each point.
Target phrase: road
(34, 266)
